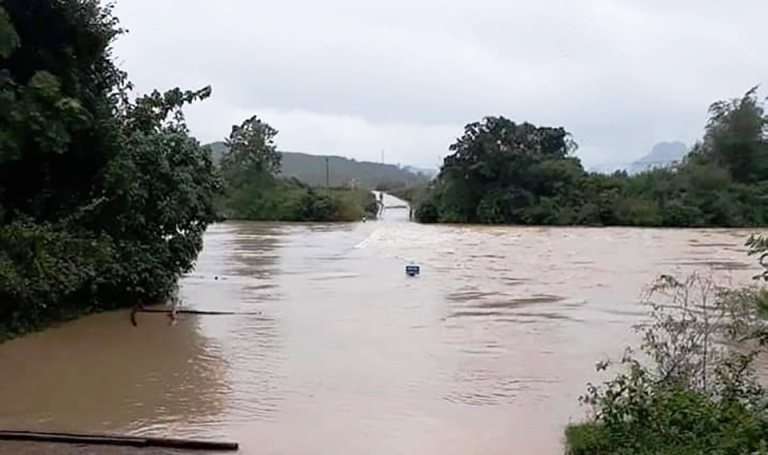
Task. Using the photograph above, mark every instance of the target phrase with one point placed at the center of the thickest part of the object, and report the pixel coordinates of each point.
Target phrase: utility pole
(327, 173)
(381, 170)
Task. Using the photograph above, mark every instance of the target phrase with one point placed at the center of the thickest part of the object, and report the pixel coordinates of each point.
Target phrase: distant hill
(427, 172)
(663, 154)
(311, 169)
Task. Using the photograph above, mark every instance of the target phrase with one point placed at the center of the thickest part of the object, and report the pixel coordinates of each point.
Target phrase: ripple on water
(497, 305)
(524, 318)
(699, 244)
(488, 388)
(256, 349)
(470, 314)
(468, 295)
(714, 265)
(522, 301)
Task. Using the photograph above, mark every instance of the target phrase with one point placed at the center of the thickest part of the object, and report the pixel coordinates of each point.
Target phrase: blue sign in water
(412, 270)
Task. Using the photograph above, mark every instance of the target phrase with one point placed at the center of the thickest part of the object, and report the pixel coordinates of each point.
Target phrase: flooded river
(338, 352)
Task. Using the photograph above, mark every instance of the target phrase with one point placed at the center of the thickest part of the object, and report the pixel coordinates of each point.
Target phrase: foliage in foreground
(103, 200)
(692, 387)
(250, 165)
(501, 172)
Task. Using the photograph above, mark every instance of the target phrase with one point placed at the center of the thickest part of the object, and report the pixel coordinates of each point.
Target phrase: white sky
(355, 77)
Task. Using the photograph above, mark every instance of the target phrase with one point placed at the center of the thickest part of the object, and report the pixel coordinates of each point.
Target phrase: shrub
(692, 387)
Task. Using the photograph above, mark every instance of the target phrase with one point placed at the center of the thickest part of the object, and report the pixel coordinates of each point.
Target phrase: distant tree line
(502, 172)
(254, 190)
(337, 171)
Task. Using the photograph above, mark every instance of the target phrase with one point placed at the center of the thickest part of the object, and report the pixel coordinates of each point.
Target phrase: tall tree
(57, 104)
(491, 176)
(104, 199)
(249, 166)
(251, 148)
(736, 138)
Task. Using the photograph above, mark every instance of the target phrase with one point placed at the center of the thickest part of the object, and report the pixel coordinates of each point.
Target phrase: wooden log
(159, 310)
(115, 440)
(71, 439)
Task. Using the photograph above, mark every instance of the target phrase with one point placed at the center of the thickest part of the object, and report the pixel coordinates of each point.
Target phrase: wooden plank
(158, 310)
(129, 441)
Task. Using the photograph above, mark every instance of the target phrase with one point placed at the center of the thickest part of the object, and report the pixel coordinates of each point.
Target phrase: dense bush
(693, 388)
(103, 200)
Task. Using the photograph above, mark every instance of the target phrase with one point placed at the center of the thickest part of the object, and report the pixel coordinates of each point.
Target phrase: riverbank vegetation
(501, 172)
(104, 199)
(692, 387)
(250, 166)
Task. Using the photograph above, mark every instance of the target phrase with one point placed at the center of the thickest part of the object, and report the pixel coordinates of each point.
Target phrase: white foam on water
(371, 239)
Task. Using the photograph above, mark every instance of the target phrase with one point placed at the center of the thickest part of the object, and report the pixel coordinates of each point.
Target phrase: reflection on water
(100, 373)
(339, 352)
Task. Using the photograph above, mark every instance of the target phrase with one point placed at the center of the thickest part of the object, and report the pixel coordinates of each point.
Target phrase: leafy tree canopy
(103, 199)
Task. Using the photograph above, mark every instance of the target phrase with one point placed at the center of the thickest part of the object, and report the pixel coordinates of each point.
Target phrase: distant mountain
(663, 154)
(311, 169)
(428, 172)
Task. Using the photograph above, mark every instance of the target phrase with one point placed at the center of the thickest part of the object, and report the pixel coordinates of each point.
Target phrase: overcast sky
(358, 77)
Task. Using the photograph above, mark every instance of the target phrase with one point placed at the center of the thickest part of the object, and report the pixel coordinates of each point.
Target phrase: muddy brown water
(485, 353)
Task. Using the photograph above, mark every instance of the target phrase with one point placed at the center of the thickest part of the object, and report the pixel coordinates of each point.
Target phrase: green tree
(499, 169)
(103, 200)
(161, 191)
(57, 127)
(250, 166)
(251, 149)
(735, 138)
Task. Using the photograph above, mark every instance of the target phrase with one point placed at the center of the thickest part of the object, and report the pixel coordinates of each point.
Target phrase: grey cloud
(619, 75)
